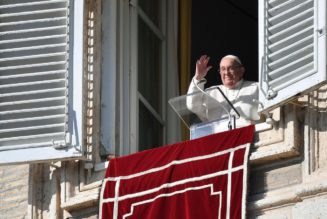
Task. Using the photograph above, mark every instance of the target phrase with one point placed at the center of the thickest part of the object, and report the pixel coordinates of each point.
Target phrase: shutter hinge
(59, 144)
(271, 94)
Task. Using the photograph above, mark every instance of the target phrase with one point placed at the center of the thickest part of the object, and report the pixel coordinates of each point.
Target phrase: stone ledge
(88, 198)
(288, 196)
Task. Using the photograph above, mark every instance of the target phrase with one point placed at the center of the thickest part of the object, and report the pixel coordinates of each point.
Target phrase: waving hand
(202, 67)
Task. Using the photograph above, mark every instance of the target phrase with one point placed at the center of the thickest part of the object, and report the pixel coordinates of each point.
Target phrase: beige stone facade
(287, 173)
(14, 191)
(287, 178)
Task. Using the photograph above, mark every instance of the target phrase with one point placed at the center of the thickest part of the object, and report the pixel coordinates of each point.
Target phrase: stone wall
(14, 186)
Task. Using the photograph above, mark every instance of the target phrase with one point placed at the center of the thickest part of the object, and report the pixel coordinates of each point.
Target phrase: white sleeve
(196, 103)
(192, 88)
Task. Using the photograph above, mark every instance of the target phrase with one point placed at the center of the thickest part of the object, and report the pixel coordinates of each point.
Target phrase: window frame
(119, 118)
(135, 96)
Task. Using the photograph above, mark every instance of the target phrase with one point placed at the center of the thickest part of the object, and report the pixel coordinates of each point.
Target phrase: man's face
(231, 72)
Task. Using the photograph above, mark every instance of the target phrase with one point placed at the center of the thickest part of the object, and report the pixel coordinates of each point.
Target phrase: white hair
(237, 59)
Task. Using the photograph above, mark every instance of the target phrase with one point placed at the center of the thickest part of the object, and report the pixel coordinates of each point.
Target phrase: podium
(203, 114)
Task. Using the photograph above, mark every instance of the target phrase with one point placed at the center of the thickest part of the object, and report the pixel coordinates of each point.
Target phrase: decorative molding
(282, 141)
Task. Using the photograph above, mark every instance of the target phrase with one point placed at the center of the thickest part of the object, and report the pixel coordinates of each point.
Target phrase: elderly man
(240, 93)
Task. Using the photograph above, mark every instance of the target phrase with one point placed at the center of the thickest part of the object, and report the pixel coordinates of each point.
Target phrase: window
(41, 80)
(292, 44)
(147, 73)
(136, 38)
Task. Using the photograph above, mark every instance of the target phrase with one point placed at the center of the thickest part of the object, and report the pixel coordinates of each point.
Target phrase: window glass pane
(150, 130)
(149, 66)
(152, 9)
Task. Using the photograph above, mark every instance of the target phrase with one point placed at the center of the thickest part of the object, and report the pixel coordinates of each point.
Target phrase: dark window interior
(225, 27)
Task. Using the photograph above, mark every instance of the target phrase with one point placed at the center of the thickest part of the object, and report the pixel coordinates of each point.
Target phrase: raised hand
(202, 67)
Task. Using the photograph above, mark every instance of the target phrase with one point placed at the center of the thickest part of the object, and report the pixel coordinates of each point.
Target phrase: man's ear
(242, 71)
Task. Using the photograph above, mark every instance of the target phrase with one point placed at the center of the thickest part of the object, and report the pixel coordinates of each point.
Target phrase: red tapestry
(201, 178)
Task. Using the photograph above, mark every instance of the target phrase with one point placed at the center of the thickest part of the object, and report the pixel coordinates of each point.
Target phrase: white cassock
(242, 97)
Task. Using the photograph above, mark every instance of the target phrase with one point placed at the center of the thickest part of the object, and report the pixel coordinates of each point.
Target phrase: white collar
(237, 86)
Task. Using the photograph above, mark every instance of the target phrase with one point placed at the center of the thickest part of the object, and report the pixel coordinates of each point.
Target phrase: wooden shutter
(40, 79)
(292, 49)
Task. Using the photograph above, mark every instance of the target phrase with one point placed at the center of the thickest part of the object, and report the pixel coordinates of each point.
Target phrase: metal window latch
(321, 31)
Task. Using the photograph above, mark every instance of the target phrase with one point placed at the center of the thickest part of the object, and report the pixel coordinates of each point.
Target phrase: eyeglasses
(230, 68)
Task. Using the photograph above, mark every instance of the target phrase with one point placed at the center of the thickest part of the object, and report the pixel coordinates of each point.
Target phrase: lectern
(204, 115)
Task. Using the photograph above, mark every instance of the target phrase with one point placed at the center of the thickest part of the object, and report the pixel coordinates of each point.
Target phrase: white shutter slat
(279, 5)
(30, 49)
(291, 49)
(36, 12)
(36, 118)
(61, 54)
(35, 22)
(20, 138)
(28, 146)
(31, 4)
(25, 84)
(28, 128)
(3, 113)
(23, 125)
(32, 101)
(26, 75)
(61, 63)
(40, 92)
(40, 38)
(11, 33)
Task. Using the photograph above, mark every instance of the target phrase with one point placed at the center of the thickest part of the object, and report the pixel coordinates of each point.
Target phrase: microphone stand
(232, 120)
(232, 106)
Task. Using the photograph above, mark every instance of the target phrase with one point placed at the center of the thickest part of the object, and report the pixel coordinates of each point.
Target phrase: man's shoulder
(249, 84)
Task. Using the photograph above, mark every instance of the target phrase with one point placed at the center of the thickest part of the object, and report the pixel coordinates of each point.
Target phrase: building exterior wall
(295, 186)
(14, 190)
(287, 174)
(287, 179)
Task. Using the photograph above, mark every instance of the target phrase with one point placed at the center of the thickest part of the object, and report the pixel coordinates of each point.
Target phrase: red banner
(201, 178)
